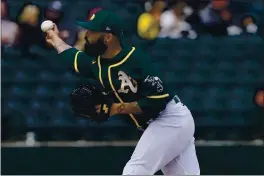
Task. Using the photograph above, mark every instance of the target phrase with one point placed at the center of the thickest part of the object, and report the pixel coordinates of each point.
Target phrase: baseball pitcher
(128, 84)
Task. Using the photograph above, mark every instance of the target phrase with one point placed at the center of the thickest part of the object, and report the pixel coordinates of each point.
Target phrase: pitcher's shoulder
(140, 56)
(139, 52)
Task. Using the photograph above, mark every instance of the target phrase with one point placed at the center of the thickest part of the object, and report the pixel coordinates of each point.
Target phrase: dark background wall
(111, 160)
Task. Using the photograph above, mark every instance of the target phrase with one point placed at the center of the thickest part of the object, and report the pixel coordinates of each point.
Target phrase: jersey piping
(76, 62)
(111, 83)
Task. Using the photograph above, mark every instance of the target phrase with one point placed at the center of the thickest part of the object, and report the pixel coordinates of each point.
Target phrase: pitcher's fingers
(55, 29)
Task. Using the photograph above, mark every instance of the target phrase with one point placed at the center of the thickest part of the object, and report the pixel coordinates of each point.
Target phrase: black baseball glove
(85, 97)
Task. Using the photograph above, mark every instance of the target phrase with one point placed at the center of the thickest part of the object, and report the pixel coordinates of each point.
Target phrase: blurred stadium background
(210, 52)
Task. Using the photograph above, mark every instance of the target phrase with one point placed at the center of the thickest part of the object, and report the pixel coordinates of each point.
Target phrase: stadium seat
(44, 90)
(67, 77)
(23, 76)
(19, 91)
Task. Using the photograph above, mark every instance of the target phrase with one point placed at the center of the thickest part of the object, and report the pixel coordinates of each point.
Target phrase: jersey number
(126, 81)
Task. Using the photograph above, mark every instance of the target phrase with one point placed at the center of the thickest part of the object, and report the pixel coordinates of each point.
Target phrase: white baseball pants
(167, 144)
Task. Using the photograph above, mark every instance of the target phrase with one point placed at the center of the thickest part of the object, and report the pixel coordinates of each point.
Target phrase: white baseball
(47, 25)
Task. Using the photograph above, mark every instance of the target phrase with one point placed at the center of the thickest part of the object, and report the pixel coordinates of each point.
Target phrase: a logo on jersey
(127, 83)
(155, 81)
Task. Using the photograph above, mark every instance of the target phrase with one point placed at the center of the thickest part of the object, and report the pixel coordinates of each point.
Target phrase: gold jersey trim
(111, 83)
(76, 62)
(158, 96)
(100, 71)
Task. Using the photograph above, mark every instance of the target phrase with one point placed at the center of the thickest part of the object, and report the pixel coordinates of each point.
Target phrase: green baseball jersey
(130, 75)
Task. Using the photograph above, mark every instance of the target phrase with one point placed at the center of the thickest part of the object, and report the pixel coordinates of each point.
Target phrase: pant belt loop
(176, 99)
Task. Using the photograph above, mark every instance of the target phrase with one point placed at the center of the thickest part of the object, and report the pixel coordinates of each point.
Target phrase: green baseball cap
(104, 21)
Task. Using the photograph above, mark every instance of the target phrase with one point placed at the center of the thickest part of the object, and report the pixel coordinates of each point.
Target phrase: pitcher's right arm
(74, 58)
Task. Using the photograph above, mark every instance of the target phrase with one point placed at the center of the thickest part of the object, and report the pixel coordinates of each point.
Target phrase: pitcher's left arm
(153, 102)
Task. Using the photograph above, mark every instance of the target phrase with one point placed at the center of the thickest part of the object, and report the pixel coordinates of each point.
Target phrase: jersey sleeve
(153, 90)
(78, 61)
